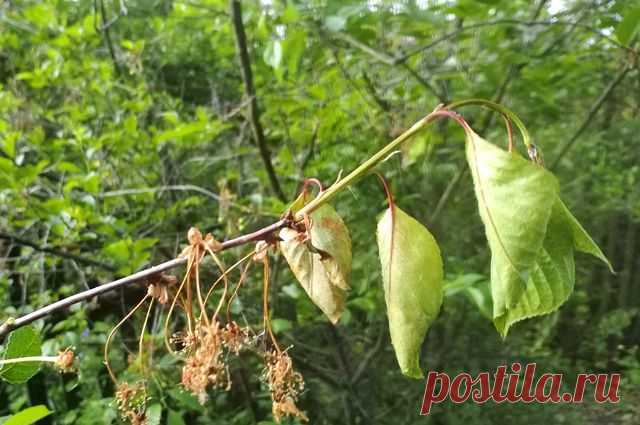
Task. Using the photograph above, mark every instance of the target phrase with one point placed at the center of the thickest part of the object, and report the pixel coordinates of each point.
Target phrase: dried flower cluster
(285, 385)
(205, 365)
(132, 402)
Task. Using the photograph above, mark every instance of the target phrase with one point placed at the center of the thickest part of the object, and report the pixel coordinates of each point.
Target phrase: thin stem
(112, 333)
(233, 296)
(507, 113)
(141, 341)
(50, 359)
(265, 303)
(203, 310)
(173, 305)
(363, 168)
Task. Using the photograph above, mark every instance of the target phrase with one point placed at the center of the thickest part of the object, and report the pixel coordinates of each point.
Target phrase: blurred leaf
(629, 25)
(29, 416)
(412, 281)
(154, 414)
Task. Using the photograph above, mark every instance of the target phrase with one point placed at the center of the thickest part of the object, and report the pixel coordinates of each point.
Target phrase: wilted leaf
(23, 342)
(553, 276)
(515, 198)
(412, 279)
(532, 235)
(28, 416)
(322, 264)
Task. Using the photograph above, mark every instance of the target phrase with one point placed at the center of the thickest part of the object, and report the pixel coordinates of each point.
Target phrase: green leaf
(515, 198)
(629, 25)
(23, 342)
(174, 418)
(29, 415)
(581, 239)
(531, 233)
(322, 264)
(412, 279)
(552, 277)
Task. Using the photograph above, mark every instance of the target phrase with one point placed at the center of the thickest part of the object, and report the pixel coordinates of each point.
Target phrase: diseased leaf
(412, 278)
(23, 342)
(29, 415)
(515, 198)
(321, 264)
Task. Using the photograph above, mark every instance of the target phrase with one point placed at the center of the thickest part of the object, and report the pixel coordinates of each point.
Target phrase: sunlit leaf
(23, 342)
(412, 279)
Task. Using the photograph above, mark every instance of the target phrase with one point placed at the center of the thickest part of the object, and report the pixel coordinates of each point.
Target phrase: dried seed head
(183, 341)
(65, 360)
(132, 402)
(158, 286)
(205, 365)
(235, 338)
(285, 385)
(260, 251)
(194, 236)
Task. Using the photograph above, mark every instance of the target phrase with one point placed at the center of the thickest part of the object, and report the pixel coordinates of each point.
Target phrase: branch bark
(11, 324)
(250, 92)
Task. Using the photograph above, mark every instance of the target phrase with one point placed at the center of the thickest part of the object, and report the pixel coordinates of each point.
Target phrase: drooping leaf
(515, 199)
(322, 264)
(581, 239)
(23, 342)
(412, 278)
(531, 233)
(553, 277)
(29, 416)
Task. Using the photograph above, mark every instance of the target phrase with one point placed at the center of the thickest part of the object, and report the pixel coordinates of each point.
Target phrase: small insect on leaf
(412, 278)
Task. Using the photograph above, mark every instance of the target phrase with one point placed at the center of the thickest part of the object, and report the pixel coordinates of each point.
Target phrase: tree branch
(592, 112)
(250, 92)
(58, 253)
(11, 324)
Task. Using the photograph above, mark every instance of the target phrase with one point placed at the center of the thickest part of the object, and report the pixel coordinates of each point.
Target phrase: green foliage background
(114, 142)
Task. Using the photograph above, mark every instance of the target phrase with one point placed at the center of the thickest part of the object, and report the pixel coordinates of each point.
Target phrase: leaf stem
(51, 359)
(506, 113)
(363, 168)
